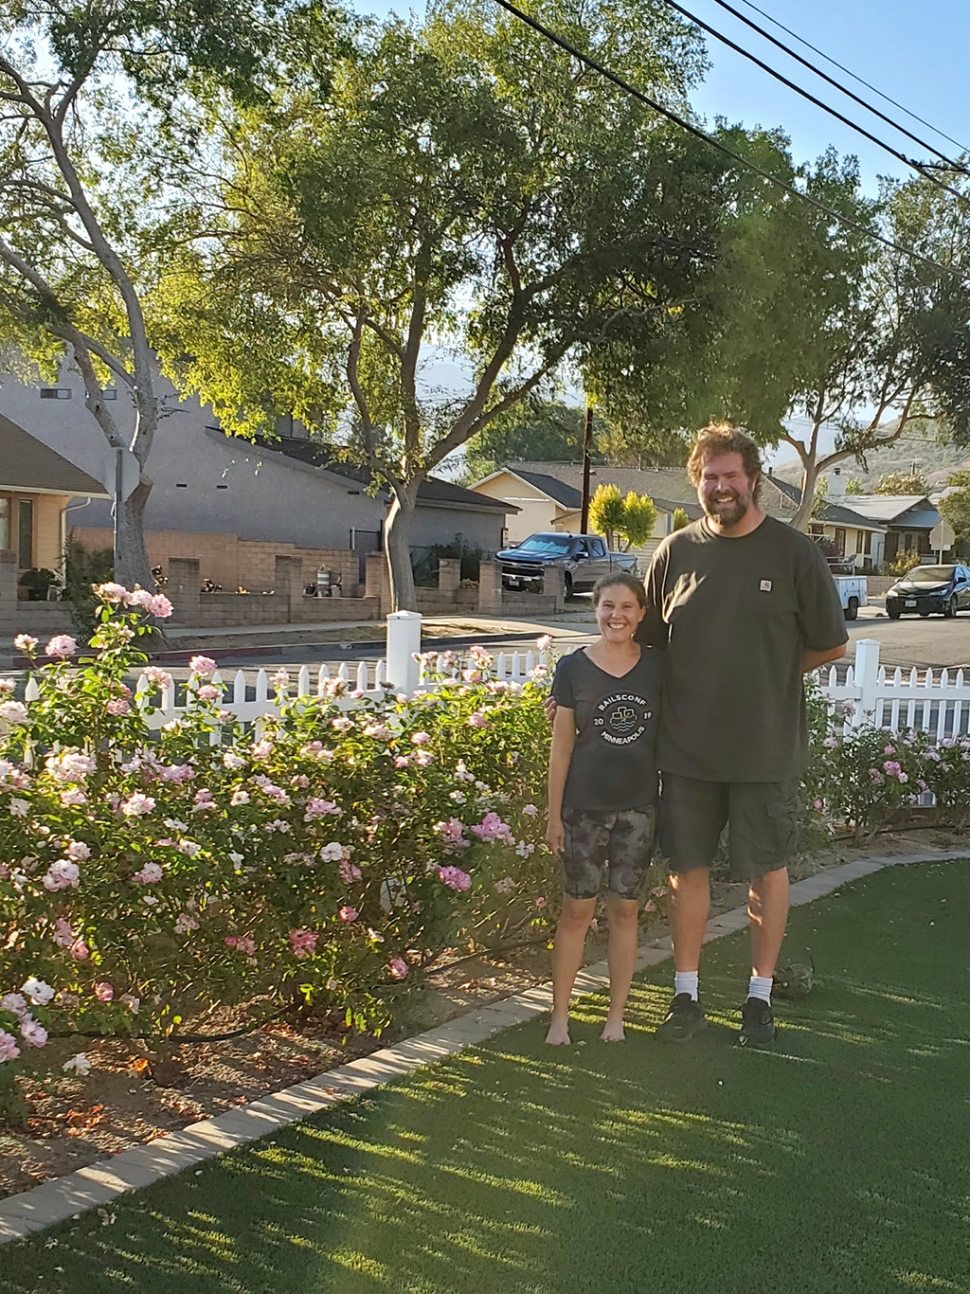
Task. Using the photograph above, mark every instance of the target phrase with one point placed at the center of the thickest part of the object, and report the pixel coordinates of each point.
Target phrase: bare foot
(558, 1035)
(613, 1031)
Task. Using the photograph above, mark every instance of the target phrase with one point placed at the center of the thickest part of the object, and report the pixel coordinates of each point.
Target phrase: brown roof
(26, 463)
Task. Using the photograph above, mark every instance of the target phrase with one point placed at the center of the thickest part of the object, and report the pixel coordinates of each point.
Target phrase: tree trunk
(803, 513)
(397, 547)
(131, 557)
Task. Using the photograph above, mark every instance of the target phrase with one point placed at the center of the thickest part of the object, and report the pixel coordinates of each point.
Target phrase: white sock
(686, 982)
(760, 986)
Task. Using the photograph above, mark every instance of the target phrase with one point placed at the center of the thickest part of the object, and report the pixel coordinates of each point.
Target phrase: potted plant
(37, 581)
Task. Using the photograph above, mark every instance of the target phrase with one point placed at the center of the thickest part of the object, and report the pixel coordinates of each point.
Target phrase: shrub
(151, 872)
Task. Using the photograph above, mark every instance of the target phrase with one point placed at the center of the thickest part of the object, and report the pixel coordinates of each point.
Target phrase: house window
(816, 530)
(55, 393)
(840, 539)
(110, 393)
(908, 542)
(4, 523)
(25, 534)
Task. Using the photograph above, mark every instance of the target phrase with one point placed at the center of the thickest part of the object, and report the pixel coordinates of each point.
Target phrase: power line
(861, 80)
(806, 94)
(841, 88)
(845, 221)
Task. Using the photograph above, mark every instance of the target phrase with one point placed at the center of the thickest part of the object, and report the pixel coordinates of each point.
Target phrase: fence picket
(303, 681)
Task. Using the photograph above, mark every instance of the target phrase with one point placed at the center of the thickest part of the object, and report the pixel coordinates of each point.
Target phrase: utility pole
(587, 448)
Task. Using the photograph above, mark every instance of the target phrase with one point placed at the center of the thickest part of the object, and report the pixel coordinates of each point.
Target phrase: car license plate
(911, 602)
(515, 583)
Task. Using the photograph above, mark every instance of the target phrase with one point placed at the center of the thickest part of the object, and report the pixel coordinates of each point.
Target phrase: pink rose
(62, 875)
(149, 874)
(159, 606)
(118, 706)
(8, 1047)
(478, 720)
(398, 968)
(62, 645)
(303, 942)
(80, 951)
(454, 878)
(347, 913)
(32, 1032)
(103, 991)
(202, 666)
(420, 738)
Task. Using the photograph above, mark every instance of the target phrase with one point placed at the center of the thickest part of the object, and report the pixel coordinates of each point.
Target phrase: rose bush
(150, 873)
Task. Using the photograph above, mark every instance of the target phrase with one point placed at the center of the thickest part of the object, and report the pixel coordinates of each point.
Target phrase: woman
(603, 792)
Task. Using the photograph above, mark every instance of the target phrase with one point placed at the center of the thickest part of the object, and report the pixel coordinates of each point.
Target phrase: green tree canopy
(544, 431)
(628, 520)
(459, 184)
(902, 483)
(954, 507)
(87, 90)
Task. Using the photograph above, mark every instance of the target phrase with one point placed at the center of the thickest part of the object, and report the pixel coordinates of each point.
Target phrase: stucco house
(870, 530)
(39, 489)
(233, 504)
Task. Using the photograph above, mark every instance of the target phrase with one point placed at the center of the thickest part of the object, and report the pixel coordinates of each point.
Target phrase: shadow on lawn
(833, 1163)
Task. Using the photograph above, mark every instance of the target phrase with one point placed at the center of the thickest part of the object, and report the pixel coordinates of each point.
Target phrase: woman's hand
(556, 835)
(550, 707)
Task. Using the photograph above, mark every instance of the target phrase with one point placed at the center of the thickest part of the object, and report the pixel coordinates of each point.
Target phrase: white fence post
(403, 644)
(866, 674)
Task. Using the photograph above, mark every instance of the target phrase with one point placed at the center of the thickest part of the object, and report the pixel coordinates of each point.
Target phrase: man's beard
(727, 517)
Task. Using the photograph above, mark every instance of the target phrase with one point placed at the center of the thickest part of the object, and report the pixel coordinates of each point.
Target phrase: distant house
(232, 503)
(869, 530)
(549, 496)
(38, 488)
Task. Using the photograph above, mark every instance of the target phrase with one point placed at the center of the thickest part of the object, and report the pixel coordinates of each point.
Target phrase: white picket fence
(869, 695)
(863, 694)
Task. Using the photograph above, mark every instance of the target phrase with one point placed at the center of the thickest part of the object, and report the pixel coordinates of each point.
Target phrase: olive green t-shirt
(737, 616)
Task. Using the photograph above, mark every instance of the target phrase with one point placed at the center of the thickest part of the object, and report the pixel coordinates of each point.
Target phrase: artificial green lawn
(838, 1161)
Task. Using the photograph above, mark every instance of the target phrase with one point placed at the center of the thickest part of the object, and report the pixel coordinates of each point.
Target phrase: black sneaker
(685, 1017)
(757, 1023)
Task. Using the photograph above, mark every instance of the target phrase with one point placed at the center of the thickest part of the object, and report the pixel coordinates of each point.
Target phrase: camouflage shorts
(621, 842)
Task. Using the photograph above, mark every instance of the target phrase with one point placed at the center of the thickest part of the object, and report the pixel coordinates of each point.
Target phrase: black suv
(926, 589)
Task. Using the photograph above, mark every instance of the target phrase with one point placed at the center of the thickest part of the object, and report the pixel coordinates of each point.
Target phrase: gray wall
(207, 482)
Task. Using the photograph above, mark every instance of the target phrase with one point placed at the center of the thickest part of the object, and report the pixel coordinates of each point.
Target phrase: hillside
(934, 460)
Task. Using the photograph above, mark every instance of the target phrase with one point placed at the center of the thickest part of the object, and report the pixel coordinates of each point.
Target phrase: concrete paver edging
(100, 1183)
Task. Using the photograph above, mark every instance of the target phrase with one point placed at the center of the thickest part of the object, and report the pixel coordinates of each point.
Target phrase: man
(745, 605)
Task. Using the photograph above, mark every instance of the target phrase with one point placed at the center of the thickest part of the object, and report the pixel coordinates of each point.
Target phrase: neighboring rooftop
(433, 492)
(27, 464)
(660, 483)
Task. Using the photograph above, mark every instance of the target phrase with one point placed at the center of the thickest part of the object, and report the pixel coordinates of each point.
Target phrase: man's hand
(556, 833)
(550, 705)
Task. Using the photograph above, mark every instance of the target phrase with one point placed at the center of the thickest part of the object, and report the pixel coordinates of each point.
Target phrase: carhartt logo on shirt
(766, 586)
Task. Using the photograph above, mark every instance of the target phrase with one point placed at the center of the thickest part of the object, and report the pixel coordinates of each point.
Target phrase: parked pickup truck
(583, 559)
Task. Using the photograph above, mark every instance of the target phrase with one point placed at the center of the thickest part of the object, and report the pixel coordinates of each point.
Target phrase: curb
(100, 1183)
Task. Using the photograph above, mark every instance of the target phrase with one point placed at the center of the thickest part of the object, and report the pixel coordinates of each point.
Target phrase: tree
(533, 431)
(854, 486)
(629, 519)
(954, 507)
(680, 519)
(460, 184)
(902, 483)
(897, 351)
(85, 88)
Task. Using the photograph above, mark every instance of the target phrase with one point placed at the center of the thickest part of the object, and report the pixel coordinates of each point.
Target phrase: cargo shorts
(761, 817)
(618, 843)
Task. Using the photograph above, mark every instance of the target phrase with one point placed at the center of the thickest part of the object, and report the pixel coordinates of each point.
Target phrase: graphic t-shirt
(737, 616)
(613, 764)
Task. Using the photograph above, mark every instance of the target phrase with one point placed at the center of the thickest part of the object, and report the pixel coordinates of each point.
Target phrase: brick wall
(234, 562)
